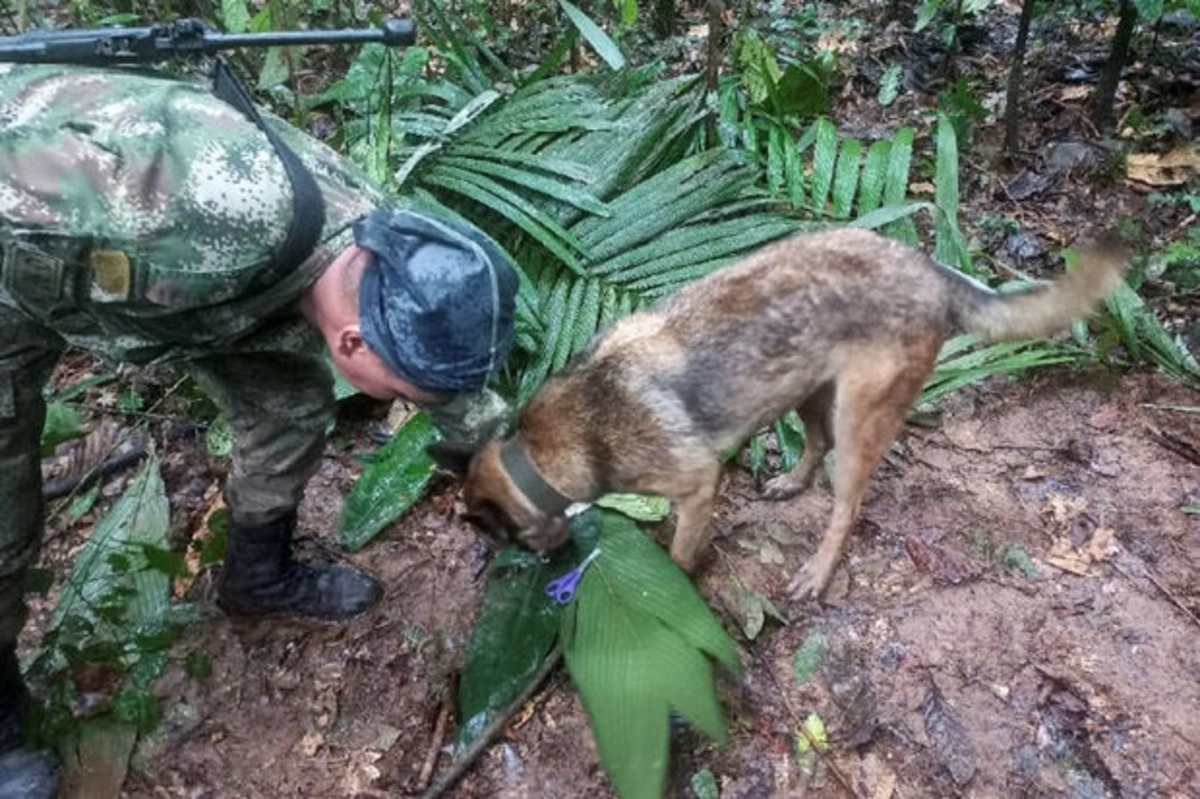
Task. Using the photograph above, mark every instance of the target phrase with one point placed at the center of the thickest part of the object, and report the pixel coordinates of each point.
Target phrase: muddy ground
(952, 666)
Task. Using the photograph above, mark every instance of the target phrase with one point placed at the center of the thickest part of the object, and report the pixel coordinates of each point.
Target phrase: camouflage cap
(436, 302)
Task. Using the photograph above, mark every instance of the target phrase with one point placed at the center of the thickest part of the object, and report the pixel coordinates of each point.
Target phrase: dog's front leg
(694, 505)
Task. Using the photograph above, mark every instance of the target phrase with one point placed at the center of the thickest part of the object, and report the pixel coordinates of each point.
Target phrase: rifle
(119, 45)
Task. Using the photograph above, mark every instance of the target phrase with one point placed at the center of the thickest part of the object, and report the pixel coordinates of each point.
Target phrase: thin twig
(813, 745)
(110, 411)
(1186, 223)
(1175, 408)
(464, 761)
(435, 746)
(1184, 449)
(1149, 575)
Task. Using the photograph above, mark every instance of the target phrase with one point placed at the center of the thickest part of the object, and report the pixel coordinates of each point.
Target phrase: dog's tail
(1040, 311)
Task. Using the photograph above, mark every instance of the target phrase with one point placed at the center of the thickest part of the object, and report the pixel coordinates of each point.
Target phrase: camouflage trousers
(278, 404)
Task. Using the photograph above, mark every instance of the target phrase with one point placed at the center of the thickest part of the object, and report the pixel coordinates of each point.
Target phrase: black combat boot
(260, 577)
(24, 773)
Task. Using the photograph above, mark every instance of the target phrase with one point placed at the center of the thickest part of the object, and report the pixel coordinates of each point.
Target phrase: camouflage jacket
(135, 207)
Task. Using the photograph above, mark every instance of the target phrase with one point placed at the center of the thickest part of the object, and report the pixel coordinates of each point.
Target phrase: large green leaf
(515, 630)
(390, 484)
(639, 645)
(874, 173)
(140, 517)
(62, 424)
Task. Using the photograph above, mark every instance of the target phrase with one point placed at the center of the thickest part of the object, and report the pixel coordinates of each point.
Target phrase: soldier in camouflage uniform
(137, 214)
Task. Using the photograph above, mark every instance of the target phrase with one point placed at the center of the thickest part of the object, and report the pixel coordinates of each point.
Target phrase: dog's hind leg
(815, 412)
(694, 505)
(874, 392)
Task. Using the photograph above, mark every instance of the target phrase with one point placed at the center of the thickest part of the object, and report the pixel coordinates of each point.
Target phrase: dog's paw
(809, 582)
(785, 486)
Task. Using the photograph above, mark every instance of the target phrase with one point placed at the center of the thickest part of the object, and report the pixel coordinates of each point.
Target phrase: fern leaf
(895, 185)
(554, 312)
(588, 320)
(874, 172)
(564, 340)
(511, 206)
(542, 185)
(824, 160)
(949, 247)
(570, 170)
(845, 181)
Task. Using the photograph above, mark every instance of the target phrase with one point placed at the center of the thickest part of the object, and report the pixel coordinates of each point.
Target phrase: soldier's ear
(451, 457)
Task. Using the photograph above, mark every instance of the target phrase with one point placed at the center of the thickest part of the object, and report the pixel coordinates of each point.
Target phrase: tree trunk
(664, 17)
(1110, 76)
(1016, 82)
(712, 69)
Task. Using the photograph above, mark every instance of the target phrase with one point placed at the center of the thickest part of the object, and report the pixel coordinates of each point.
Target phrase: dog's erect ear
(452, 457)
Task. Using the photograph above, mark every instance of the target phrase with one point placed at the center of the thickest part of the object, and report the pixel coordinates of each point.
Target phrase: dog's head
(495, 505)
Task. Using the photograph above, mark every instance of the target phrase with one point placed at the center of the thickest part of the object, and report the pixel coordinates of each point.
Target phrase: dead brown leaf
(1103, 544)
(191, 555)
(1166, 169)
(1100, 547)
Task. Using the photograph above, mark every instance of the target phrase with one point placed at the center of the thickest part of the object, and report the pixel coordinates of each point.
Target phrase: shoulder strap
(308, 207)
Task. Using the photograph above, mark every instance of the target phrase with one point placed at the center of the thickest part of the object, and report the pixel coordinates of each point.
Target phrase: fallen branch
(435, 746)
(1149, 575)
(1184, 449)
(464, 761)
(105, 469)
(1174, 408)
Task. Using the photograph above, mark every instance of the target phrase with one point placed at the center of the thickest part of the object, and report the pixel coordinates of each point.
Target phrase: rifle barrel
(186, 37)
(391, 32)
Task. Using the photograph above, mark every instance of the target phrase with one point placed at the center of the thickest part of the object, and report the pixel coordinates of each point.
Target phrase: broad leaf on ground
(515, 630)
(113, 560)
(640, 645)
(391, 483)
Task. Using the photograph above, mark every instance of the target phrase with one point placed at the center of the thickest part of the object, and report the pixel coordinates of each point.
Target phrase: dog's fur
(843, 326)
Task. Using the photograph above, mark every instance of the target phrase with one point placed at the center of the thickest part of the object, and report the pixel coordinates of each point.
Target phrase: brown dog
(844, 326)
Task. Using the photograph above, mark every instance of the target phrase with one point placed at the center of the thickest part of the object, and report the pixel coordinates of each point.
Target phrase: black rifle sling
(308, 207)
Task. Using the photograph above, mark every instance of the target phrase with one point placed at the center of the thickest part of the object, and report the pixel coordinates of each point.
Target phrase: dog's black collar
(545, 497)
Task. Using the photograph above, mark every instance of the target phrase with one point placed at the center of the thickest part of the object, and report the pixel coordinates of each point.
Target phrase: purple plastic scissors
(562, 589)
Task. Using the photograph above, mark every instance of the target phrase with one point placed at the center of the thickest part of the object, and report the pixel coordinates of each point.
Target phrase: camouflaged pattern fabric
(158, 203)
(471, 418)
